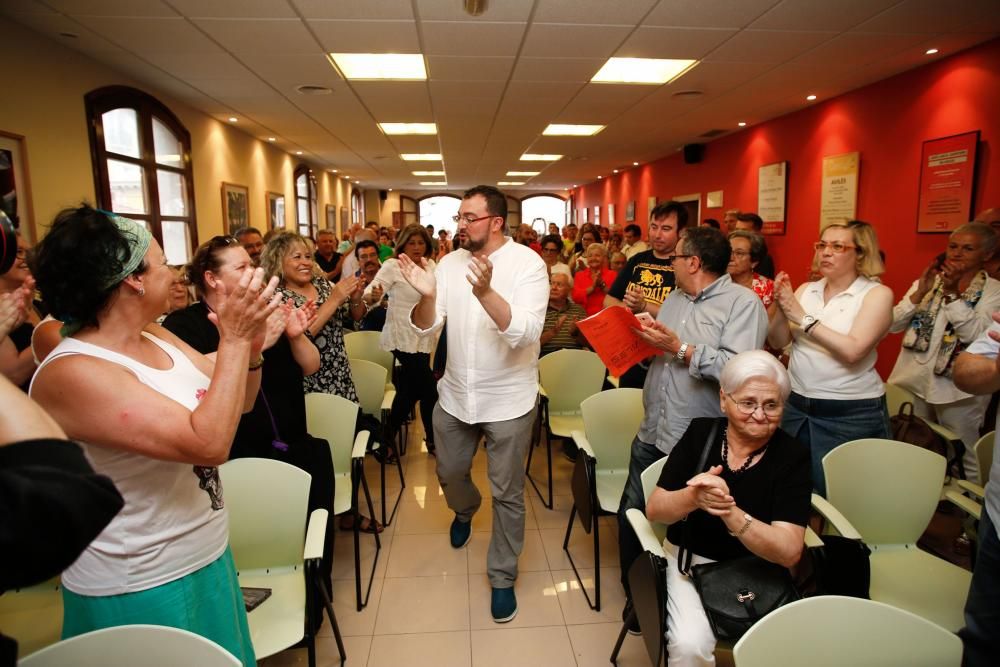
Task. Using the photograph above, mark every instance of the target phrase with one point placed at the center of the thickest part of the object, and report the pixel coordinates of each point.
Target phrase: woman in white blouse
(945, 309)
(834, 325)
(416, 381)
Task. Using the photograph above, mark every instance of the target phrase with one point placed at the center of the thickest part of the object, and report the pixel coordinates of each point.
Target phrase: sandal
(385, 454)
(369, 526)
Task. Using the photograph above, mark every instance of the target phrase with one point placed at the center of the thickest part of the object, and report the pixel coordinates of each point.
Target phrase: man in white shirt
(494, 293)
(633, 241)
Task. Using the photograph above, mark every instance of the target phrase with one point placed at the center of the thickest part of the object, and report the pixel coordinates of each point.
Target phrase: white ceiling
(496, 80)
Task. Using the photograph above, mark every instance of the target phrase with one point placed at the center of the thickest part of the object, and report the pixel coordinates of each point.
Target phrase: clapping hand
(711, 493)
(346, 287)
(375, 295)
(479, 276)
(660, 336)
(243, 313)
(299, 319)
(634, 300)
(14, 307)
(785, 297)
(419, 276)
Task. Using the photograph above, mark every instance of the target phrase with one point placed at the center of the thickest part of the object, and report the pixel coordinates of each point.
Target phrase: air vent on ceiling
(687, 94)
(711, 134)
(313, 90)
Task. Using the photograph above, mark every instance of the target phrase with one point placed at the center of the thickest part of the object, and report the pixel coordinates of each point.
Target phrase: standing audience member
(493, 293)
(711, 222)
(729, 219)
(633, 241)
(570, 245)
(413, 352)
(252, 241)
(748, 248)
(751, 222)
(578, 262)
(443, 245)
(977, 372)
(946, 308)
(385, 245)
(351, 265)
(648, 276)
(834, 325)
(560, 331)
(617, 262)
(327, 257)
(590, 285)
(17, 363)
(702, 325)
(551, 246)
(157, 418)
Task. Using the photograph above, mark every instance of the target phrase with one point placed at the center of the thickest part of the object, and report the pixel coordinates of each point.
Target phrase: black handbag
(840, 567)
(739, 592)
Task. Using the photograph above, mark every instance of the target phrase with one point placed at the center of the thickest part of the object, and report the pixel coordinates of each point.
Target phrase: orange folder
(611, 333)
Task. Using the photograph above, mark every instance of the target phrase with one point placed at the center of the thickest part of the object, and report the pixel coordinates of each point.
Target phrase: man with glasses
(551, 247)
(493, 293)
(706, 321)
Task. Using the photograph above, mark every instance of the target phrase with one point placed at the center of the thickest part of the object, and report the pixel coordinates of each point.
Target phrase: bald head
(990, 216)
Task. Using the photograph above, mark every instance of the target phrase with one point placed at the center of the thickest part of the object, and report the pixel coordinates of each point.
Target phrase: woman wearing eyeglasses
(747, 251)
(834, 325)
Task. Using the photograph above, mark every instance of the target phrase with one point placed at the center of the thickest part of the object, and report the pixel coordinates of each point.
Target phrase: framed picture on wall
(611, 214)
(15, 187)
(331, 217)
(630, 211)
(235, 207)
(275, 210)
(650, 205)
(586, 214)
(947, 182)
(597, 215)
(345, 221)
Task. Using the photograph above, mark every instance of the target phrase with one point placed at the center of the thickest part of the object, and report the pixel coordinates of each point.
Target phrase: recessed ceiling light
(642, 70)
(742, 123)
(599, 177)
(409, 128)
(810, 97)
(298, 152)
(574, 185)
(333, 171)
(308, 89)
(540, 157)
(634, 164)
(433, 182)
(510, 182)
(390, 189)
(421, 157)
(399, 66)
(428, 173)
(614, 171)
(347, 177)
(233, 119)
(523, 173)
(564, 130)
(272, 139)
(931, 52)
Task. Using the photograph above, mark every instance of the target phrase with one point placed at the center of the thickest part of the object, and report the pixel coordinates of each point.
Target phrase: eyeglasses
(748, 407)
(217, 242)
(468, 219)
(21, 253)
(837, 247)
(671, 258)
(741, 253)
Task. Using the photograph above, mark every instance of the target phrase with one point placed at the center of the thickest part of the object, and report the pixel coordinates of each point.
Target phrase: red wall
(886, 121)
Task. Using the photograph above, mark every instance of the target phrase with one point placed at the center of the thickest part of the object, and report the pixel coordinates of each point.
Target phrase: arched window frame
(306, 227)
(357, 207)
(102, 100)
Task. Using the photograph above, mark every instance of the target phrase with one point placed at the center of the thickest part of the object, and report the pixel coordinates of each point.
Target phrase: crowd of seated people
(263, 318)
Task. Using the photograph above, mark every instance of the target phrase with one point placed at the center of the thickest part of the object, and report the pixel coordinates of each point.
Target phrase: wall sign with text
(772, 189)
(839, 191)
(947, 182)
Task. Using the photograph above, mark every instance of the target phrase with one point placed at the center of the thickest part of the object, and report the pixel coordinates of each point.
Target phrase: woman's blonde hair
(273, 256)
(869, 259)
(409, 231)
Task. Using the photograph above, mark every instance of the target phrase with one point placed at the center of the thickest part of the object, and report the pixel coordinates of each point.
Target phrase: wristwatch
(950, 297)
(747, 519)
(807, 322)
(681, 351)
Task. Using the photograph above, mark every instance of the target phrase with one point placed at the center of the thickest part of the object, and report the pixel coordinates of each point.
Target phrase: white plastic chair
(275, 548)
(886, 492)
(334, 418)
(128, 645)
(33, 615)
(376, 400)
(565, 379)
(610, 420)
(365, 345)
(833, 631)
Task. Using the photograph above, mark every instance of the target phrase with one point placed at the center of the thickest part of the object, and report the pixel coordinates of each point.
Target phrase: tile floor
(429, 603)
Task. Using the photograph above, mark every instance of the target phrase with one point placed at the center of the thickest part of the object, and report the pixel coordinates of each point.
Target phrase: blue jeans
(824, 424)
(981, 634)
(643, 456)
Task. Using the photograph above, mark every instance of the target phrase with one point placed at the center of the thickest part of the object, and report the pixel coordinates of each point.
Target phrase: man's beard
(466, 243)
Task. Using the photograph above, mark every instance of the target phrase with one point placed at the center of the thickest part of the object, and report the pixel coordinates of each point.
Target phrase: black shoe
(570, 451)
(630, 619)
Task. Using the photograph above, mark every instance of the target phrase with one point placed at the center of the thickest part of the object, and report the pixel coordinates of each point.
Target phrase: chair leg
(597, 564)
(328, 603)
(358, 478)
(543, 419)
(596, 603)
(387, 518)
(311, 648)
(621, 637)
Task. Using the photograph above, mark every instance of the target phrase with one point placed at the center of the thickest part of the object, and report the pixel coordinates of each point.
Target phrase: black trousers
(416, 383)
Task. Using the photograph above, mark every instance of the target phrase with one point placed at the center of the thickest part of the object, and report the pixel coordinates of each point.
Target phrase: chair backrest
(895, 396)
(267, 502)
(568, 377)
(984, 455)
(127, 645)
(611, 419)
(651, 475)
(888, 490)
(369, 381)
(831, 630)
(365, 345)
(335, 419)
(33, 615)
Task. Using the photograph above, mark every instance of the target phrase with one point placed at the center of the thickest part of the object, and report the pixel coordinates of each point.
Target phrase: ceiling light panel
(428, 173)
(408, 128)
(421, 157)
(433, 182)
(369, 66)
(510, 182)
(540, 157)
(523, 173)
(654, 71)
(566, 130)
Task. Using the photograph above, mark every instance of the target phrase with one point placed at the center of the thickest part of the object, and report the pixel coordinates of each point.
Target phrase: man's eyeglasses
(748, 407)
(468, 219)
(671, 258)
(836, 246)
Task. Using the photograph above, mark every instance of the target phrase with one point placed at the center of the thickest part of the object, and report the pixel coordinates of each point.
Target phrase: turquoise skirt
(207, 602)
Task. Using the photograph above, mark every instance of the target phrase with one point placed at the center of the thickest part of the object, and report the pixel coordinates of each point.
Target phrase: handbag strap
(267, 406)
(683, 552)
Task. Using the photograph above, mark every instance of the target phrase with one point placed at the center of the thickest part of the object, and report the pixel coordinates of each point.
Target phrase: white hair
(751, 364)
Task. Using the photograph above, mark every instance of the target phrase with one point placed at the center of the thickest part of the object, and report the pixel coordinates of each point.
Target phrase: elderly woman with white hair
(751, 497)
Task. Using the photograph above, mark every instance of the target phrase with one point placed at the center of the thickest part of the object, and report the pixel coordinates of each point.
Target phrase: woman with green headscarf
(157, 418)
